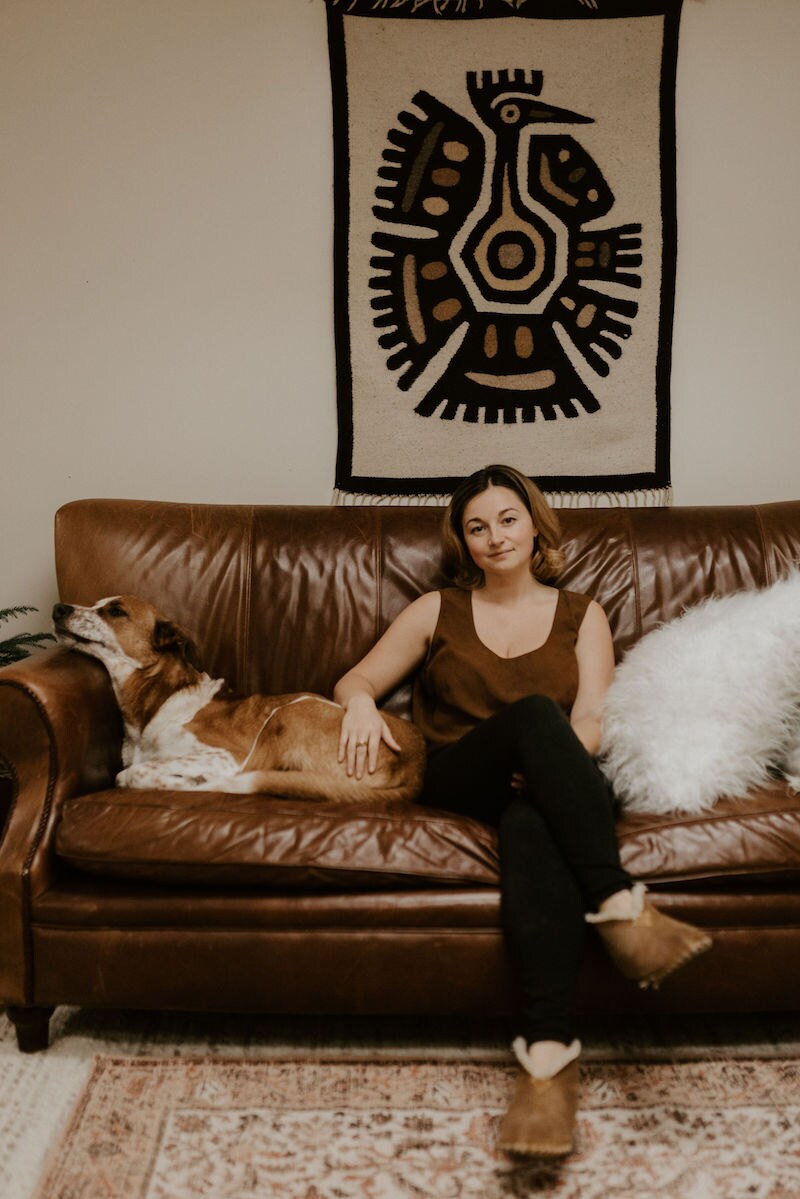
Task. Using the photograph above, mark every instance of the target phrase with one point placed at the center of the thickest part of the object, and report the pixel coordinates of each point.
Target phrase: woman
(511, 678)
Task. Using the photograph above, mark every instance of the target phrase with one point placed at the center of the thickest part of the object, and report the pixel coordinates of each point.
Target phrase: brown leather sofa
(193, 901)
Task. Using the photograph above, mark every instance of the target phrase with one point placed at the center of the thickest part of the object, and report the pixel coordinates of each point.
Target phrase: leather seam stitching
(637, 598)
(762, 537)
(378, 551)
(246, 601)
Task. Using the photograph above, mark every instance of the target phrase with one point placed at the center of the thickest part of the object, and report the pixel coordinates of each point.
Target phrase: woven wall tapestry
(505, 241)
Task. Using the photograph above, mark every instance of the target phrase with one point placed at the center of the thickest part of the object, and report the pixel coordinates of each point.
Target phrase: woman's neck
(511, 589)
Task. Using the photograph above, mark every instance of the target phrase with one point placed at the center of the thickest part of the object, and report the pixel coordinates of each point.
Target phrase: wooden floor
(604, 1038)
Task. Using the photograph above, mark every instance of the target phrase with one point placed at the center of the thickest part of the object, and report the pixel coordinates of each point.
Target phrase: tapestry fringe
(358, 499)
(651, 497)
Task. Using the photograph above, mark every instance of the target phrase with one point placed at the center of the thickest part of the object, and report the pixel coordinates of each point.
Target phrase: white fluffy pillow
(703, 706)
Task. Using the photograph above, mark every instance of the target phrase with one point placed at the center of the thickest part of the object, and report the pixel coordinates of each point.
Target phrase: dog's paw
(238, 784)
(160, 778)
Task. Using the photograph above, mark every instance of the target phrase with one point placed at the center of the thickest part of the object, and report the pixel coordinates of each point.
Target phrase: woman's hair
(547, 560)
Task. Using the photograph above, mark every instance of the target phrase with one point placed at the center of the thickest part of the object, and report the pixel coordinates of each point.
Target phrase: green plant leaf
(9, 613)
(13, 649)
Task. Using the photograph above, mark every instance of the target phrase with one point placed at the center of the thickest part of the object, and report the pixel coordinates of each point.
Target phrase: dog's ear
(170, 638)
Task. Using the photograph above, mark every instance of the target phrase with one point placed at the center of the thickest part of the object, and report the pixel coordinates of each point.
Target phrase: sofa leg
(32, 1025)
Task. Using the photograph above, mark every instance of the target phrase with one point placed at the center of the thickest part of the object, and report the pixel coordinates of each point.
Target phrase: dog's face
(124, 632)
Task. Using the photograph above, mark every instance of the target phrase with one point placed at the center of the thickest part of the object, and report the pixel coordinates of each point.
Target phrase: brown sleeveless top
(462, 681)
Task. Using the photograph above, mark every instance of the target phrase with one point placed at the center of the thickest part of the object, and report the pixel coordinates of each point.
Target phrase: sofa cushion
(204, 837)
(754, 839)
(208, 837)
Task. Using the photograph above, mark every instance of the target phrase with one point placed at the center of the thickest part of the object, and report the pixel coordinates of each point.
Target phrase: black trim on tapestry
(669, 243)
(366, 485)
(341, 221)
(478, 10)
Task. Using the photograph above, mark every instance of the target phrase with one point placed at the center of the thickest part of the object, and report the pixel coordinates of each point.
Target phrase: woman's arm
(400, 650)
(595, 653)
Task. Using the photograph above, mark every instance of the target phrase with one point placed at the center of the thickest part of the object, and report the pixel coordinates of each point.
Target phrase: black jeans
(558, 848)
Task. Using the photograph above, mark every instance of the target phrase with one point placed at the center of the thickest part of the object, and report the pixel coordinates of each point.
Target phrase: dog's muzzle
(61, 617)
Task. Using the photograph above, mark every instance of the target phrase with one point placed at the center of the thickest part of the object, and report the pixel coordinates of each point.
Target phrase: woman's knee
(521, 817)
(520, 829)
(530, 861)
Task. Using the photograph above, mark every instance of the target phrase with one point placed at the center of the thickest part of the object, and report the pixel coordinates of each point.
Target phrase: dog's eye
(115, 610)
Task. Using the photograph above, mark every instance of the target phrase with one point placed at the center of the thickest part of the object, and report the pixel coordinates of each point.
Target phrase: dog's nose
(62, 611)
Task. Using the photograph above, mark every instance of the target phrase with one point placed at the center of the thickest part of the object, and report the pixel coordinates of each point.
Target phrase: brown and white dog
(185, 731)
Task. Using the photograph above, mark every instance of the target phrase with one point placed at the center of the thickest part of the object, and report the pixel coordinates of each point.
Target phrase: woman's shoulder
(576, 605)
(433, 611)
(429, 601)
(454, 595)
(424, 610)
(455, 603)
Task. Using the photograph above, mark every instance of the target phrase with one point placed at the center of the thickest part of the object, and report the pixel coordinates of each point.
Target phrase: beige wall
(166, 271)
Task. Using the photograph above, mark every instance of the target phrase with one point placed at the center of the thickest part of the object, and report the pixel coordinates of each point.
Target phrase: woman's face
(498, 531)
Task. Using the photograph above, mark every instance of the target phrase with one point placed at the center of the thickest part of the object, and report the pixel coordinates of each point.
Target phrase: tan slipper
(540, 1120)
(648, 945)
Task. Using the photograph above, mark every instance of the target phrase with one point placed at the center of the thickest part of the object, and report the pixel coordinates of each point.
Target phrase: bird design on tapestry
(491, 270)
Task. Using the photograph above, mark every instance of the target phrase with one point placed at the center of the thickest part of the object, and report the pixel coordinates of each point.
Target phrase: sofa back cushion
(285, 599)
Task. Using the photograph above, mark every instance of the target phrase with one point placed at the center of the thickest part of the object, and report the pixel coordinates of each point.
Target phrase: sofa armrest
(60, 735)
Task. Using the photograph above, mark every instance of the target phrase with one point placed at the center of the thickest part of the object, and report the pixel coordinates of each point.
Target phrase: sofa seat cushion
(235, 840)
(749, 840)
(210, 838)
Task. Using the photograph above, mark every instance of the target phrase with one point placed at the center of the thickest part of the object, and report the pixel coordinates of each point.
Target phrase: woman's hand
(399, 652)
(363, 729)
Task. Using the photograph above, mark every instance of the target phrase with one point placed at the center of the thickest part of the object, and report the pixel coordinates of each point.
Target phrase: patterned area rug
(227, 1128)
